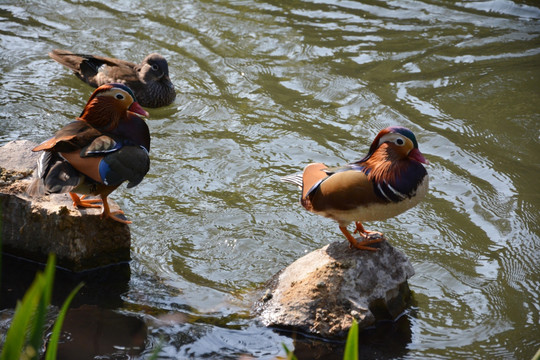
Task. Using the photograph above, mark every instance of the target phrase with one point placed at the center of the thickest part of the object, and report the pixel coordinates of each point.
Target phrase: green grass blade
(351, 348)
(17, 334)
(57, 328)
(38, 321)
(157, 349)
(290, 354)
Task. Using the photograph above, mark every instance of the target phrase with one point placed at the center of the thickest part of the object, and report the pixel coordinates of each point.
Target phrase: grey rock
(321, 293)
(34, 227)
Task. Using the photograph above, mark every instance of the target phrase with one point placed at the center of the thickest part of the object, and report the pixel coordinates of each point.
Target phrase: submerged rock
(322, 292)
(34, 227)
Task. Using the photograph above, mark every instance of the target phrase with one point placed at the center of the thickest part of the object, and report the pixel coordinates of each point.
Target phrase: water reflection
(103, 287)
(89, 332)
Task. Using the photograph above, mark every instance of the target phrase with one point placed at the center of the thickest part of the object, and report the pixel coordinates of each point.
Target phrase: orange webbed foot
(82, 202)
(367, 234)
(107, 213)
(92, 203)
(111, 214)
(362, 245)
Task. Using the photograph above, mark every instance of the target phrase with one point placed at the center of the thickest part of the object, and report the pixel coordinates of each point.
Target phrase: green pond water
(265, 87)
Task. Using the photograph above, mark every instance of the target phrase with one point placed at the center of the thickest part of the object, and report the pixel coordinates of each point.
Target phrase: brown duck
(149, 80)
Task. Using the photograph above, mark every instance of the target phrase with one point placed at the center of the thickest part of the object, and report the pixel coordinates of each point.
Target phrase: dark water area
(263, 88)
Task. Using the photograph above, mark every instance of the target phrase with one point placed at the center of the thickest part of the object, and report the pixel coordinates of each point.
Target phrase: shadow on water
(91, 326)
(103, 287)
(91, 331)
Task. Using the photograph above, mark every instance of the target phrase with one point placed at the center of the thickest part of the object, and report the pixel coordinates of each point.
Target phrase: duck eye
(400, 141)
(119, 96)
(155, 67)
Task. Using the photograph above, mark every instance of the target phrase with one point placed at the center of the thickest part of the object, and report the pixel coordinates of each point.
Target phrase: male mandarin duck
(107, 145)
(149, 80)
(389, 180)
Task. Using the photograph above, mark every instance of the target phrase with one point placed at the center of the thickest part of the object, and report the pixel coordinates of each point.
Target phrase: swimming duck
(107, 145)
(389, 180)
(149, 80)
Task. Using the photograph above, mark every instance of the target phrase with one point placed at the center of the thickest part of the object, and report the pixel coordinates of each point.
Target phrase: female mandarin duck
(389, 180)
(149, 80)
(107, 145)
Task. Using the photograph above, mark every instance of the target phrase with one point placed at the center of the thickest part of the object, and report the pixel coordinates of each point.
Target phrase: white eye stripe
(394, 138)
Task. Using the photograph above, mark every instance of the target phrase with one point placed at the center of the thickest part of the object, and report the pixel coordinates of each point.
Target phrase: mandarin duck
(389, 180)
(149, 80)
(107, 145)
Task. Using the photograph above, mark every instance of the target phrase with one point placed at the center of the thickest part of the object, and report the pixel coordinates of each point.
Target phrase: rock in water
(32, 228)
(321, 293)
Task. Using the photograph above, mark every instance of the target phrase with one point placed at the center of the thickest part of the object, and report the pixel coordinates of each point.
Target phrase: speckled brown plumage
(149, 80)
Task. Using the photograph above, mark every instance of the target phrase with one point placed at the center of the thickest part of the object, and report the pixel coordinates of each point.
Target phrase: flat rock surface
(34, 227)
(321, 293)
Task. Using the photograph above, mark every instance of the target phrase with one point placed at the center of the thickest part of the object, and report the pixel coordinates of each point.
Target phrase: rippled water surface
(264, 87)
